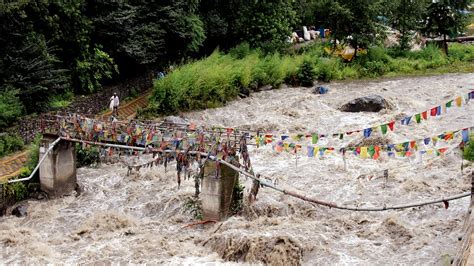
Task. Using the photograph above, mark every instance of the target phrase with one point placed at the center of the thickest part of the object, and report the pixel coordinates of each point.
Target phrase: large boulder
(176, 120)
(20, 211)
(371, 103)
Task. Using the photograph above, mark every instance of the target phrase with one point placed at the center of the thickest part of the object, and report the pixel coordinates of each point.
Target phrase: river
(141, 219)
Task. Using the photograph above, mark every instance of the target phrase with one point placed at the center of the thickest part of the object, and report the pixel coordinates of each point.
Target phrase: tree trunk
(355, 52)
(445, 45)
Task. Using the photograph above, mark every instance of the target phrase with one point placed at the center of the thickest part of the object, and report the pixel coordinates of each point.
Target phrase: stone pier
(57, 173)
(216, 192)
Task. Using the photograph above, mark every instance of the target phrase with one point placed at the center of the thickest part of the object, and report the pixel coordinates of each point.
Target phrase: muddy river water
(140, 218)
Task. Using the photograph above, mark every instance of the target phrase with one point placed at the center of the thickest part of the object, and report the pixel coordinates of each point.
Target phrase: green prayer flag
(341, 136)
(448, 104)
(314, 138)
(384, 129)
(371, 151)
(418, 118)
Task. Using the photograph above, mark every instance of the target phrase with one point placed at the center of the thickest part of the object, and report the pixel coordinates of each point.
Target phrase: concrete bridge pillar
(57, 173)
(216, 192)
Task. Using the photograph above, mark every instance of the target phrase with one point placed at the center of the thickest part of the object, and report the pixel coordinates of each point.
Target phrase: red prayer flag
(434, 111)
(425, 115)
(377, 152)
(391, 124)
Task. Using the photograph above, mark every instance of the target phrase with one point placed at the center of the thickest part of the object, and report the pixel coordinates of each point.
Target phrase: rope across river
(261, 181)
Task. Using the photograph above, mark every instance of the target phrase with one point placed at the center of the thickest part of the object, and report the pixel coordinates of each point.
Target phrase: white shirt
(115, 100)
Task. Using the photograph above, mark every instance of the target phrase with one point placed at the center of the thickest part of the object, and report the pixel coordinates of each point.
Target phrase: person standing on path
(114, 104)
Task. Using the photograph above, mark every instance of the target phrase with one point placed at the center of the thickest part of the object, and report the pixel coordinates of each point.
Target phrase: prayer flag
(314, 138)
(418, 118)
(459, 101)
(412, 144)
(363, 152)
(391, 124)
(377, 152)
(407, 120)
(448, 104)
(371, 151)
(465, 135)
(384, 129)
(448, 136)
(442, 150)
(433, 111)
(316, 150)
(283, 137)
(425, 115)
(310, 151)
(438, 110)
(406, 146)
(427, 141)
(367, 132)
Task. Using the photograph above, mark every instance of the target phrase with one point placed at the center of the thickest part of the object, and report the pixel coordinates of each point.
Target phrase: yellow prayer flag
(459, 101)
(363, 152)
(316, 151)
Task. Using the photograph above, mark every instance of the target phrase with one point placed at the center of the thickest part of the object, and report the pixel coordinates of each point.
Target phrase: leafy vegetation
(9, 144)
(213, 81)
(469, 150)
(88, 155)
(192, 205)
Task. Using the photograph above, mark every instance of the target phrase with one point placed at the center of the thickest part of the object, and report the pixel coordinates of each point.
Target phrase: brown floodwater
(141, 219)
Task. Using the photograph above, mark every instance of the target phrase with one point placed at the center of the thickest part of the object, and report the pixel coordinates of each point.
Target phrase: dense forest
(58, 49)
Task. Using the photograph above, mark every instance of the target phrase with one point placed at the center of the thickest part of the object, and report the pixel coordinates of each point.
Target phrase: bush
(16, 191)
(87, 155)
(9, 144)
(240, 51)
(461, 52)
(61, 100)
(306, 74)
(324, 71)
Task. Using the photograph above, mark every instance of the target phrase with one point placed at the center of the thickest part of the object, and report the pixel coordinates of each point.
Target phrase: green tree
(266, 24)
(406, 17)
(144, 34)
(10, 106)
(351, 21)
(446, 18)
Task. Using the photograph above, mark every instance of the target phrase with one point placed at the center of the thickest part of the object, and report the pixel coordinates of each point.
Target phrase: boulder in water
(176, 120)
(20, 211)
(244, 92)
(371, 103)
